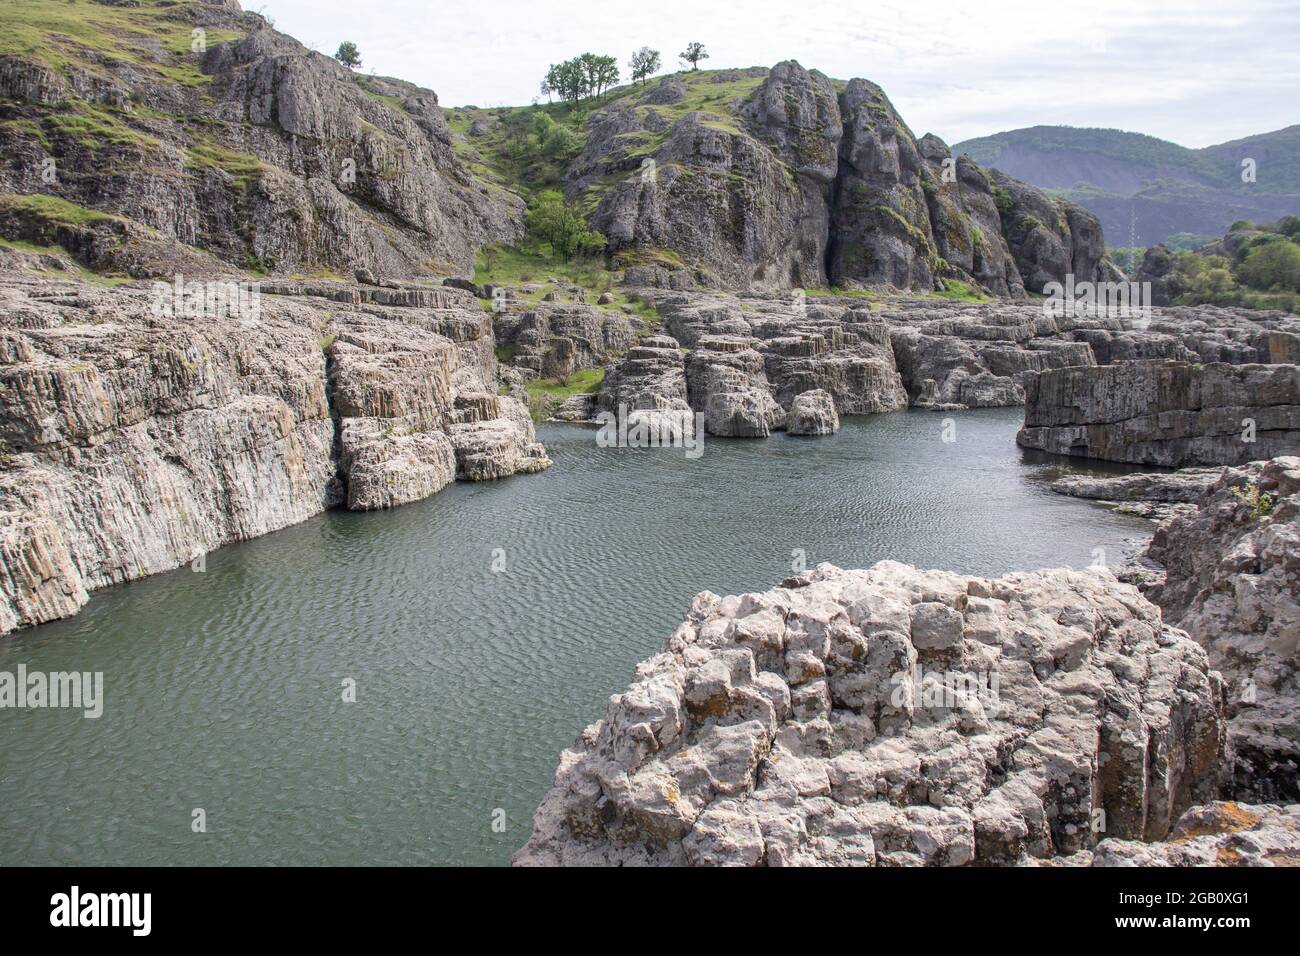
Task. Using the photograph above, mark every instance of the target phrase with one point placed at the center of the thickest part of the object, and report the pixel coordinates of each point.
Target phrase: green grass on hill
(244, 167)
(498, 157)
(514, 268)
(78, 270)
(546, 394)
(54, 210)
(68, 34)
(959, 291)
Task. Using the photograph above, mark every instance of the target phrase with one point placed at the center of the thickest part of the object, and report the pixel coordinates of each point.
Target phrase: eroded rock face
(1220, 834)
(134, 441)
(894, 717)
(1232, 582)
(813, 413)
(1165, 413)
(554, 341)
(795, 185)
(927, 352)
(257, 150)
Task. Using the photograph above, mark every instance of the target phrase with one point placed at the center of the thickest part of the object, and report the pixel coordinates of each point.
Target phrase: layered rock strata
(1165, 413)
(134, 441)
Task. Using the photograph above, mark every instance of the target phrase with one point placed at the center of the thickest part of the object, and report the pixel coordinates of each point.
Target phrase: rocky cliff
(134, 441)
(1231, 580)
(894, 717)
(202, 140)
(1165, 413)
(779, 178)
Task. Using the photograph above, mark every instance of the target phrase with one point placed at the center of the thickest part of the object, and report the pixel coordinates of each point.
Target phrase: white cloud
(1195, 72)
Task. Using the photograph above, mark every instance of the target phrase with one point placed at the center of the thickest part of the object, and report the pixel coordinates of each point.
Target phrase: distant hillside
(1167, 188)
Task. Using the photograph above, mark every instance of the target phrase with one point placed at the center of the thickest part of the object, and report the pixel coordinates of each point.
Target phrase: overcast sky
(1189, 71)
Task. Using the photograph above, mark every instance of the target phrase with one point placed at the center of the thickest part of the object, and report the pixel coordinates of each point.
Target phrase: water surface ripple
(224, 688)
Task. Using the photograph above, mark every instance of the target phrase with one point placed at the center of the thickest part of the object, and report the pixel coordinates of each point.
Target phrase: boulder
(813, 413)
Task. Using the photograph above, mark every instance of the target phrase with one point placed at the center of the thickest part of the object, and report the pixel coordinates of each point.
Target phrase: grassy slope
(78, 34)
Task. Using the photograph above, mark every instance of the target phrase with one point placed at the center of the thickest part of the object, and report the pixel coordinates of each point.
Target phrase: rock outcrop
(232, 146)
(813, 413)
(894, 717)
(1232, 581)
(1165, 413)
(135, 440)
(791, 184)
(1155, 495)
(1220, 834)
(557, 340)
(885, 354)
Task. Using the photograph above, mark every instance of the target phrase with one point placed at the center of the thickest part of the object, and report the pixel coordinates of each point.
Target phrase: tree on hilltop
(348, 54)
(644, 63)
(693, 54)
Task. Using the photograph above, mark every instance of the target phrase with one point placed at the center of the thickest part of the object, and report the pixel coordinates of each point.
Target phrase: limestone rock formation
(1156, 495)
(792, 184)
(1165, 413)
(231, 145)
(894, 717)
(1219, 834)
(813, 413)
(135, 439)
(557, 340)
(1232, 582)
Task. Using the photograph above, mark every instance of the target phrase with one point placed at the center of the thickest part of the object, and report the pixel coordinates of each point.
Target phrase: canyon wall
(1165, 413)
(134, 441)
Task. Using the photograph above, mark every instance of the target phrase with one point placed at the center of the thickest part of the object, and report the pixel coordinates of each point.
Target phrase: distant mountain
(1129, 180)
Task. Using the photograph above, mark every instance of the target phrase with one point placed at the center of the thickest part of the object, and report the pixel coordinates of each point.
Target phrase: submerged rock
(894, 717)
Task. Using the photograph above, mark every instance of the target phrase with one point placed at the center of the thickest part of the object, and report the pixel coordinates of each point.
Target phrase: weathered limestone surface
(788, 728)
(556, 340)
(813, 413)
(1165, 413)
(1232, 582)
(1154, 495)
(134, 442)
(892, 352)
(1219, 834)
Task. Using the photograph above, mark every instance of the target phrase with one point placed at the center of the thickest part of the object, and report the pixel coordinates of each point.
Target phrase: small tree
(693, 54)
(552, 220)
(348, 54)
(644, 63)
(606, 74)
